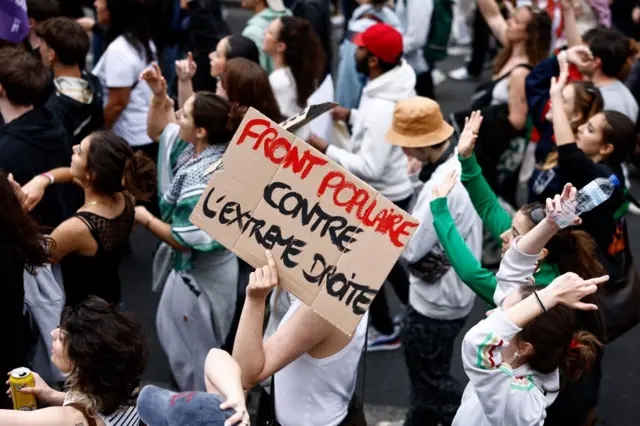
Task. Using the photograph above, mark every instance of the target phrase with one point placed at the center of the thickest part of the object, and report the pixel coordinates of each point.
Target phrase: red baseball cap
(382, 40)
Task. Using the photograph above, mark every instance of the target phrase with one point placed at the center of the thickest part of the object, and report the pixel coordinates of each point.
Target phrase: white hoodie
(496, 394)
(369, 155)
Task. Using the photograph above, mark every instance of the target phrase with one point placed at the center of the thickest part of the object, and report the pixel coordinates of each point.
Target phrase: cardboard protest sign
(334, 238)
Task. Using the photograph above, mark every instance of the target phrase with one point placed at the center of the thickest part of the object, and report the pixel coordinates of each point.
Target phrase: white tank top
(317, 392)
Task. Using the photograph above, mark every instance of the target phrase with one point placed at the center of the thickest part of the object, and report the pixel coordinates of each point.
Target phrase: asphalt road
(386, 380)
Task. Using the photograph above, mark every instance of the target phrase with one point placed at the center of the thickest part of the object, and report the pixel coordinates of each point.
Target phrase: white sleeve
(515, 269)
(505, 400)
(369, 163)
(419, 14)
(122, 65)
(425, 236)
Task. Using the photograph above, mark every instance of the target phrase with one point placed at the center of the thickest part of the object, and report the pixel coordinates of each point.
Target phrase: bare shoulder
(520, 73)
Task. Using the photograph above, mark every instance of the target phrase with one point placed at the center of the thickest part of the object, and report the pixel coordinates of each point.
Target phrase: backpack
(435, 49)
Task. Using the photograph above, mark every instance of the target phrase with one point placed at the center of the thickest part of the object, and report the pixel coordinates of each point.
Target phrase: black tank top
(97, 275)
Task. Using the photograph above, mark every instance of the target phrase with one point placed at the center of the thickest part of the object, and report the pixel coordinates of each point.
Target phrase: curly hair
(108, 351)
(304, 55)
(21, 243)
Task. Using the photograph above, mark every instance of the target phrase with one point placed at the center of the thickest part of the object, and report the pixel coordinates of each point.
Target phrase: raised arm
(300, 334)
(518, 108)
(491, 13)
(161, 108)
(571, 31)
(34, 189)
(561, 126)
(185, 71)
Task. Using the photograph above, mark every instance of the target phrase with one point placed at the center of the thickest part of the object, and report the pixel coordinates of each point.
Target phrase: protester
(200, 284)
(77, 99)
(92, 242)
(370, 157)
(223, 380)
(233, 46)
(439, 302)
(129, 51)
(318, 13)
(597, 150)
(32, 141)
(264, 12)
(22, 248)
(305, 345)
(104, 353)
(298, 63)
(350, 82)
(609, 52)
(512, 358)
(416, 21)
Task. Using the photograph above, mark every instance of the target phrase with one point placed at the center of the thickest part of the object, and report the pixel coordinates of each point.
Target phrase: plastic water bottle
(588, 198)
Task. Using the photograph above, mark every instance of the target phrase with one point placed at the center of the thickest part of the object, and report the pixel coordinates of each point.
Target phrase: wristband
(49, 176)
(544, 310)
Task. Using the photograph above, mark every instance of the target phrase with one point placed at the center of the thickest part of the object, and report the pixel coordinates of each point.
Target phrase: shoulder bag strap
(90, 420)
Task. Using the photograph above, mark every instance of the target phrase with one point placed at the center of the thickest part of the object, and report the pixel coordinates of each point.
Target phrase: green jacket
(255, 29)
(495, 219)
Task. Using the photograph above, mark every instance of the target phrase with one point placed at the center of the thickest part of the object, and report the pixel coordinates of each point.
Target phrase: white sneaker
(460, 74)
(634, 210)
(438, 77)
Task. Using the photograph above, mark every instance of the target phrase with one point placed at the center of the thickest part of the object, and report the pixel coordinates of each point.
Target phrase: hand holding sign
(263, 280)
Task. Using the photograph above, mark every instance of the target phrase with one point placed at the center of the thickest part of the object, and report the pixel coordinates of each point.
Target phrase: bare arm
(259, 361)
(571, 32)
(518, 107)
(118, 100)
(158, 228)
(71, 236)
(161, 108)
(185, 70)
(52, 416)
(491, 13)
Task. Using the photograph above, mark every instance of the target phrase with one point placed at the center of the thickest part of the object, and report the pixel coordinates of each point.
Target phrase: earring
(516, 355)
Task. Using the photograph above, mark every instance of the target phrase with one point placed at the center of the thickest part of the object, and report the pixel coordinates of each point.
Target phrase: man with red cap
(370, 157)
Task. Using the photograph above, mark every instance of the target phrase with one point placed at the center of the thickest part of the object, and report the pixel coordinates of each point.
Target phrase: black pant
(479, 44)
(399, 279)
(424, 84)
(428, 348)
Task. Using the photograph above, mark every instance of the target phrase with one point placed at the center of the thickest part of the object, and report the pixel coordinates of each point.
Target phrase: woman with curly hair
(298, 60)
(104, 353)
(22, 248)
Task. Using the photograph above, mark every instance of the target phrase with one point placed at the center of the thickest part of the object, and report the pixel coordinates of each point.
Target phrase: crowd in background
(112, 112)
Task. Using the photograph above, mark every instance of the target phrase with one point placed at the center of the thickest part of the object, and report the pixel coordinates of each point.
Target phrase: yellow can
(22, 378)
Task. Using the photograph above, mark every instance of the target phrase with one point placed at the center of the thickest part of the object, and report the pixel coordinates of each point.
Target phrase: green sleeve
(468, 268)
(493, 216)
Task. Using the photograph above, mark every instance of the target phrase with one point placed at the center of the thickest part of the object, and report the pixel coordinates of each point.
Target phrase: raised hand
(34, 191)
(580, 56)
(445, 187)
(562, 204)
(467, 140)
(153, 76)
(186, 68)
(263, 280)
(558, 83)
(569, 289)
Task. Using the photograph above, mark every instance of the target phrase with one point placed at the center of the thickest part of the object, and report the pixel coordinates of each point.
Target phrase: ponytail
(581, 355)
(139, 176)
(574, 251)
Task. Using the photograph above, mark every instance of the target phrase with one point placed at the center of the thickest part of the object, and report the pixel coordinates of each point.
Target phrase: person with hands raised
(515, 358)
(305, 345)
(596, 150)
(203, 275)
(185, 71)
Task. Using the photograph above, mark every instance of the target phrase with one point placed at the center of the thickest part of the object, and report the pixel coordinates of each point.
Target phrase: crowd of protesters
(113, 112)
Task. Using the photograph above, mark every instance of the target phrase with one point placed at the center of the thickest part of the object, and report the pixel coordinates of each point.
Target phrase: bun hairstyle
(574, 251)
(239, 46)
(114, 167)
(557, 344)
(213, 113)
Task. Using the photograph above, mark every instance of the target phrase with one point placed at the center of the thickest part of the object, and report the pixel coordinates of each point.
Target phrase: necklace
(93, 203)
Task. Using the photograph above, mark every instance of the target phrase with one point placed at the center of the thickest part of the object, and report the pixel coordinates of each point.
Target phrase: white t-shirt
(284, 88)
(120, 66)
(317, 392)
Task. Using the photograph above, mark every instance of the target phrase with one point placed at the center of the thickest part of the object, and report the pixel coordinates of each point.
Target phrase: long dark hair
(537, 44)
(239, 46)
(130, 18)
(108, 353)
(114, 167)
(213, 113)
(304, 55)
(620, 132)
(247, 85)
(21, 243)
